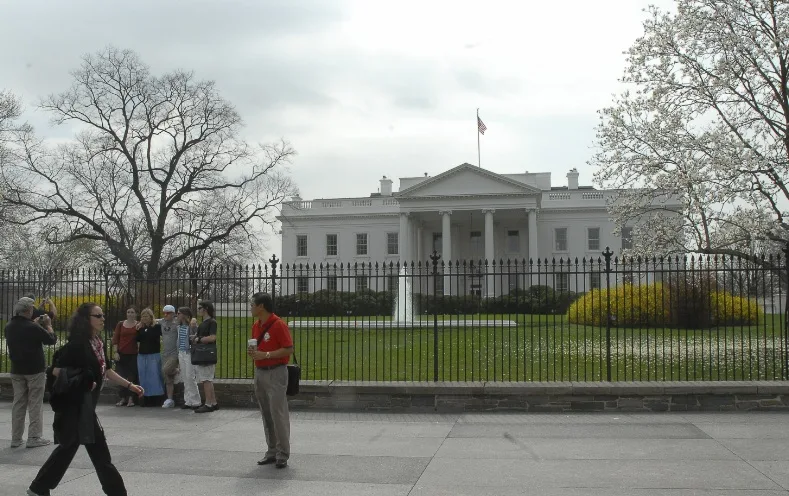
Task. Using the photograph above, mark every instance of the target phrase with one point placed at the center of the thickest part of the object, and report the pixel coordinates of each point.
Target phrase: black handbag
(294, 376)
(204, 354)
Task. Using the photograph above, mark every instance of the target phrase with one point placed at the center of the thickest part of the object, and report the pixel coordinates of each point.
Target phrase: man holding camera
(47, 308)
(25, 339)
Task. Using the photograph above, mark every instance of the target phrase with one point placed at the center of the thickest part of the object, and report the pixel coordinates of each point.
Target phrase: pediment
(467, 180)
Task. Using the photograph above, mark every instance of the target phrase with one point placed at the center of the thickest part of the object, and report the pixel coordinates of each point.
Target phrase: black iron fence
(604, 318)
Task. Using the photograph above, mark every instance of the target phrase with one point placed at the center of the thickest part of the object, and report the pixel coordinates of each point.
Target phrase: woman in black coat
(78, 372)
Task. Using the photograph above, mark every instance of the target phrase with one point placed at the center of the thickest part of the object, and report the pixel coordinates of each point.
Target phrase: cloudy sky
(361, 88)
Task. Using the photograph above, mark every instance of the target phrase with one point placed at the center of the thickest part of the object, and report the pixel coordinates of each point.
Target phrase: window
(439, 284)
(595, 281)
(476, 244)
(361, 283)
(627, 238)
(392, 243)
(361, 244)
(593, 238)
(560, 236)
(302, 284)
(392, 283)
(301, 245)
(513, 281)
(513, 242)
(331, 283)
(437, 242)
(331, 245)
(561, 282)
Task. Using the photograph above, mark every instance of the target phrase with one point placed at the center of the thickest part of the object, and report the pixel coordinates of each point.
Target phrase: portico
(469, 214)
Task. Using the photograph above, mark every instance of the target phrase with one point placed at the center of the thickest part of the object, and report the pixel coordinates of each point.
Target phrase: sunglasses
(97, 315)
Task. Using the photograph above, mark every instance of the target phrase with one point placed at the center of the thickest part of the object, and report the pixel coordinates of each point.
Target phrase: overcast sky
(361, 88)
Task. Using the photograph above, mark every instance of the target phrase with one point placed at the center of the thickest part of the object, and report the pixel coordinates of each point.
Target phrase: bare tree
(157, 172)
(706, 120)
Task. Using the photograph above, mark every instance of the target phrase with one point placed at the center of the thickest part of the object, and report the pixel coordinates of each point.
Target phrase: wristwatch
(268, 355)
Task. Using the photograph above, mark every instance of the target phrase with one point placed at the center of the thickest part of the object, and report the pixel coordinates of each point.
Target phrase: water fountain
(404, 300)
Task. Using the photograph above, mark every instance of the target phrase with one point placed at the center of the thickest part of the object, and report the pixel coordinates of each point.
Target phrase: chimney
(572, 179)
(386, 187)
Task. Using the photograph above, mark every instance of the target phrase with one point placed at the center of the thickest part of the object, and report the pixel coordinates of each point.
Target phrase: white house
(466, 213)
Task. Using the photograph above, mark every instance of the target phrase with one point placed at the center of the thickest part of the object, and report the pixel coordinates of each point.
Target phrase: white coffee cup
(252, 343)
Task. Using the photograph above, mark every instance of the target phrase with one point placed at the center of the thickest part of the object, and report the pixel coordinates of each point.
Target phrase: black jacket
(25, 339)
(71, 397)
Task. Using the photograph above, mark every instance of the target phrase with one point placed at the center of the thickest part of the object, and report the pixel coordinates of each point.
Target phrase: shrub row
(327, 303)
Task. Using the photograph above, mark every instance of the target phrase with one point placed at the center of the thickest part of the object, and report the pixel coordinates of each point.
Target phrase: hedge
(327, 303)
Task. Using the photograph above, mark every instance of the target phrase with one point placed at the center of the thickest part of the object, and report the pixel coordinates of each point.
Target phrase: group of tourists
(155, 353)
(160, 354)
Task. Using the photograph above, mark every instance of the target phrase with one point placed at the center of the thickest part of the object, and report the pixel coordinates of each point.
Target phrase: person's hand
(139, 324)
(92, 386)
(55, 371)
(136, 389)
(257, 355)
(116, 357)
(47, 301)
(45, 321)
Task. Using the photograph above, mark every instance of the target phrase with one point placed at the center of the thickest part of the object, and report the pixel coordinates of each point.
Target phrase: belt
(269, 367)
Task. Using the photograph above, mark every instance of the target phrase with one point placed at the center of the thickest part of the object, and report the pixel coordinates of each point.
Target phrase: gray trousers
(270, 386)
(28, 397)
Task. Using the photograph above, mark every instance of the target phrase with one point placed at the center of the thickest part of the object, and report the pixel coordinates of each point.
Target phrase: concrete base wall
(521, 397)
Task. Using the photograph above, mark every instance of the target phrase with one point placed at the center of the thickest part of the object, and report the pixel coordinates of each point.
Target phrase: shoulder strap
(266, 330)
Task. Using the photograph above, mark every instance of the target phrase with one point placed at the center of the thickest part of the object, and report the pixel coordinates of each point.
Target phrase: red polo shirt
(272, 335)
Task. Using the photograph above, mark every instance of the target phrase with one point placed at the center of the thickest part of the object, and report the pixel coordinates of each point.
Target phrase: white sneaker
(37, 442)
(168, 403)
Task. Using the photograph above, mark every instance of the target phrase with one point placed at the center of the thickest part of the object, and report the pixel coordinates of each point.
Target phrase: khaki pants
(28, 397)
(270, 386)
(191, 393)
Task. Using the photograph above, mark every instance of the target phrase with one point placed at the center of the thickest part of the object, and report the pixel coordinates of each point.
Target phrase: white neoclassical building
(465, 213)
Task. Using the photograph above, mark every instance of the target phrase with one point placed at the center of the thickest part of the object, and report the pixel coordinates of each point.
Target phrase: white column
(489, 251)
(533, 250)
(420, 234)
(446, 246)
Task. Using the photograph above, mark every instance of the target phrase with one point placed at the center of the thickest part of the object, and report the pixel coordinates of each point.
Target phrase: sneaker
(168, 404)
(37, 442)
(16, 444)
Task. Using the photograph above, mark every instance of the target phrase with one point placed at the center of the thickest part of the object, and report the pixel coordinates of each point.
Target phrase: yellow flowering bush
(631, 306)
(68, 304)
(651, 305)
(734, 310)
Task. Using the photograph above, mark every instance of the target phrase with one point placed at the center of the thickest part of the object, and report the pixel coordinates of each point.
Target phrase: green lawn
(540, 348)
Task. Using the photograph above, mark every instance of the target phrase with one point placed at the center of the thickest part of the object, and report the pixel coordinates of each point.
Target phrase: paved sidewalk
(176, 452)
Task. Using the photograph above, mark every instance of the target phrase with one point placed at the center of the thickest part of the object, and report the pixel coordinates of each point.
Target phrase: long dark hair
(79, 326)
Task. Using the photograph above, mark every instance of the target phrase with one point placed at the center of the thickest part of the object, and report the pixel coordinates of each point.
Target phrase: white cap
(168, 308)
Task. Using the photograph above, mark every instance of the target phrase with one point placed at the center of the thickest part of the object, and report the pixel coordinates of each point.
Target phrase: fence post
(435, 257)
(785, 367)
(273, 261)
(607, 254)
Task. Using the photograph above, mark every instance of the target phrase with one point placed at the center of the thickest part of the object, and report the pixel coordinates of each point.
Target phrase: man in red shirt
(271, 355)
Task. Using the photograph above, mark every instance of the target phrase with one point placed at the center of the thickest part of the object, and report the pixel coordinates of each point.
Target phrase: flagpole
(479, 155)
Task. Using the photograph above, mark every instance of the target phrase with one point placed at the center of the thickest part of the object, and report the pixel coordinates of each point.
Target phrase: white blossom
(705, 119)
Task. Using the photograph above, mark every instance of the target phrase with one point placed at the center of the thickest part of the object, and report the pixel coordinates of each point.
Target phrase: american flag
(481, 126)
